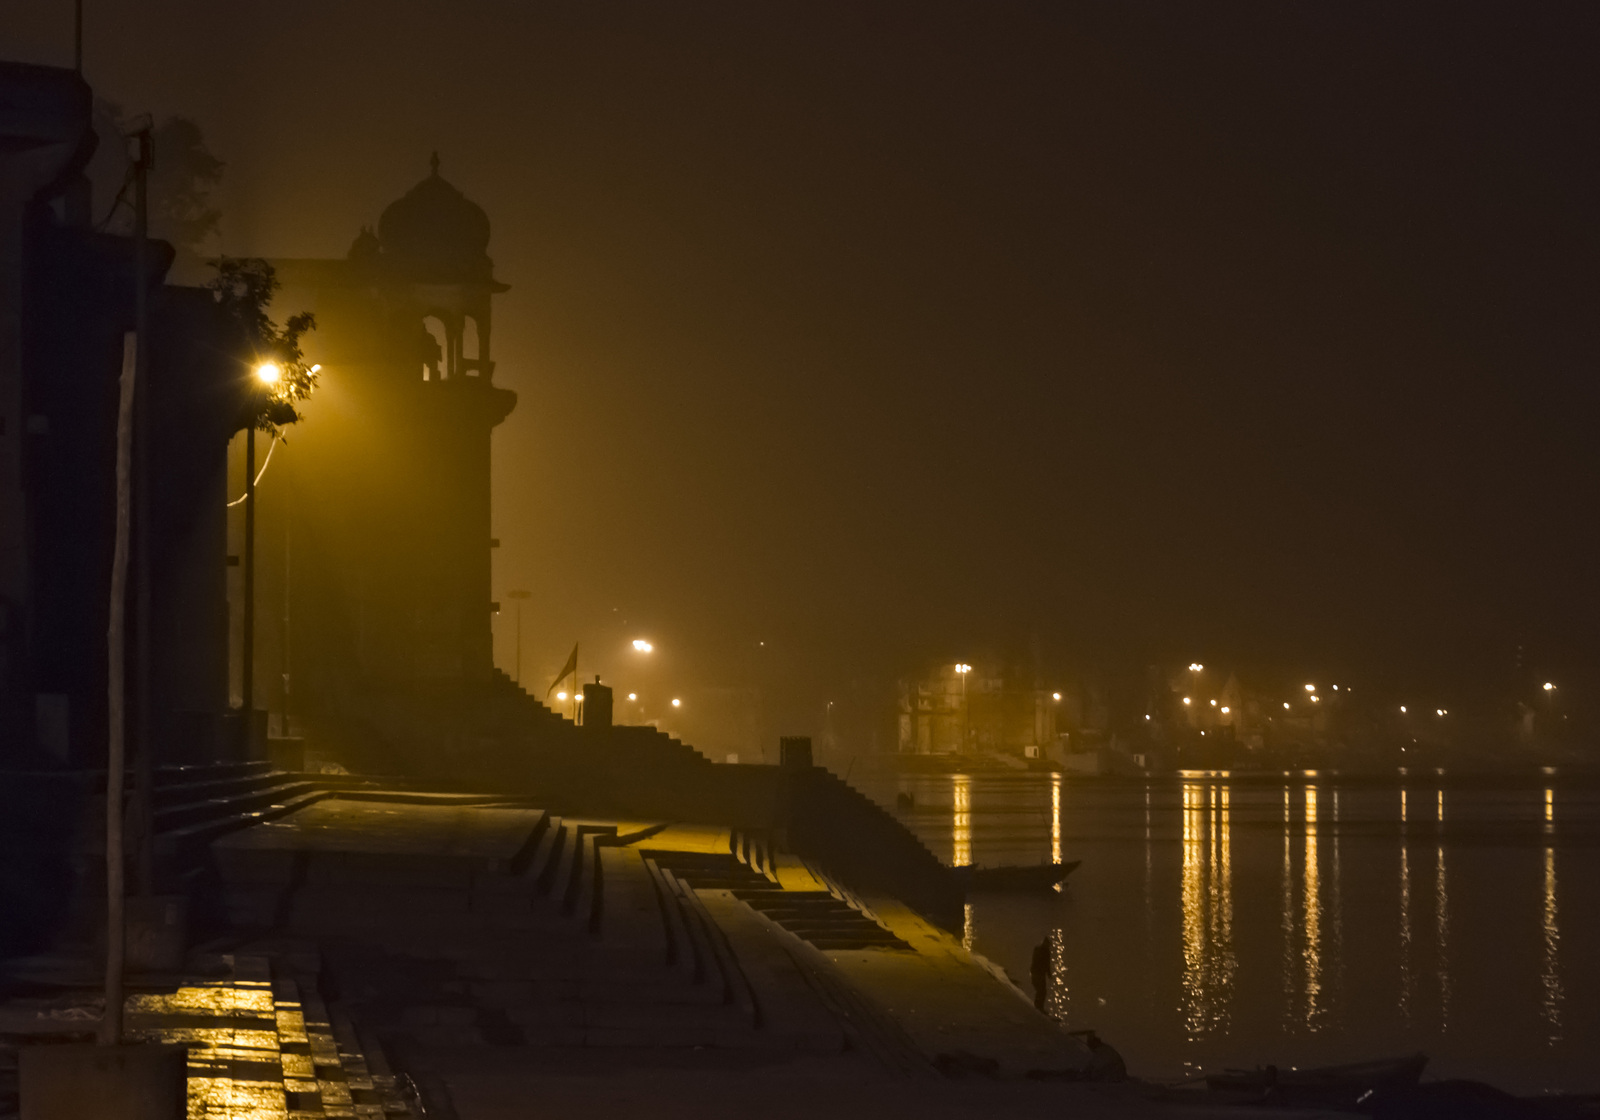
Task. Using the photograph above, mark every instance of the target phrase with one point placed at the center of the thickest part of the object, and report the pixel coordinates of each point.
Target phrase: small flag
(570, 667)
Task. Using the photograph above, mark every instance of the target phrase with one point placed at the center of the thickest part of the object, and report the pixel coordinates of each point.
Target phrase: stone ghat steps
(540, 945)
(263, 1043)
(819, 915)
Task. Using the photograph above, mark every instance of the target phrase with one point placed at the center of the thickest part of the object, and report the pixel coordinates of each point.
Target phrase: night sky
(891, 333)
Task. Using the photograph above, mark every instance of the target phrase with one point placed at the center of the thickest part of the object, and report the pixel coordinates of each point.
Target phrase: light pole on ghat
(267, 376)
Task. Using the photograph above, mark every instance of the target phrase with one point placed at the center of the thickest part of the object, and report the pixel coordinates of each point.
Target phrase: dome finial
(434, 163)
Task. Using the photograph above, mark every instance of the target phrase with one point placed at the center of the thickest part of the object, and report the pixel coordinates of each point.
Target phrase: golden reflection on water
(1286, 911)
(1405, 925)
(969, 930)
(1550, 975)
(1549, 810)
(1208, 956)
(1441, 921)
(1058, 997)
(1311, 951)
(1055, 818)
(961, 825)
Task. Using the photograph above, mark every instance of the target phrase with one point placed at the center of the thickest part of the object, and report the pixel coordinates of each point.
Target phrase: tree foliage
(182, 177)
(244, 287)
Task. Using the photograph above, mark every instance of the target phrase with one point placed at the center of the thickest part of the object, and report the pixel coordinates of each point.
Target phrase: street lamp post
(267, 376)
(517, 597)
(966, 712)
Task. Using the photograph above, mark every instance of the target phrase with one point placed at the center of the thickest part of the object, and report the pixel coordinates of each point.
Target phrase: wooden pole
(116, 667)
(143, 739)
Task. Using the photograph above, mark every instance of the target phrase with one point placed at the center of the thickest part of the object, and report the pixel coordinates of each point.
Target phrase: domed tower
(389, 585)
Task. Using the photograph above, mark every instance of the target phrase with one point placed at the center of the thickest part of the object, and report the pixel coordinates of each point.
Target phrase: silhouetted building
(377, 532)
(66, 303)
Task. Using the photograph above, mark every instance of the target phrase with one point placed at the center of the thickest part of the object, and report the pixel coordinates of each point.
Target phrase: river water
(1303, 920)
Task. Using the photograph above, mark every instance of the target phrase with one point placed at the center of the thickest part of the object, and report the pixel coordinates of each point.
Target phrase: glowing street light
(1185, 699)
(963, 669)
(676, 703)
(1213, 703)
(1440, 711)
(642, 646)
(1055, 696)
(1402, 709)
(1311, 688)
(1548, 687)
(1316, 699)
(1195, 666)
(1286, 704)
(633, 696)
(269, 373)
(562, 696)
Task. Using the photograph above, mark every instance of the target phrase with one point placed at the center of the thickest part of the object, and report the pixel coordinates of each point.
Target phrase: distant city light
(1225, 711)
(963, 668)
(1440, 711)
(1336, 688)
(268, 373)
(1195, 667)
(1285, 705)
(1402, 709)
(1316, 699)
(642, 646)
(1147, 716)
(633, 696)
(1213, 703)
(1185, 699)
(1548, 687)
(676, 703)
(1311, 688)
(1055, 696)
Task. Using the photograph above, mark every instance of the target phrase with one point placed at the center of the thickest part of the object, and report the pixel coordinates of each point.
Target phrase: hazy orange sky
(884, 333)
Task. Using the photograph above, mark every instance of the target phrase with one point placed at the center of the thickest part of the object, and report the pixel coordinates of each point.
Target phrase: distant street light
(1440, 711)
(1402, 709)
(1186, 700)
(562, 696)
(1311, 688)
(1224, 710)
(676, 703)
(633, 696)
(642, 646)
(1055, 696)
(1195, 666)
(1548, 687)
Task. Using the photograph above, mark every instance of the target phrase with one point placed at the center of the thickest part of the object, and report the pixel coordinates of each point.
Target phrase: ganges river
(1301, 919)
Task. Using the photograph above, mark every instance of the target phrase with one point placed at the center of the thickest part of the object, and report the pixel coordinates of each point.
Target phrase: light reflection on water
(1299, 920)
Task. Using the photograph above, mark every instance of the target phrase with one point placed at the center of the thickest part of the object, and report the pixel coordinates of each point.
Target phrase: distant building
(952, 712)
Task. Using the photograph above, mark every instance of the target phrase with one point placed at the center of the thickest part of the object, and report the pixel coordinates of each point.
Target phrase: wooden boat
(1326, 1085)
(1032, 877)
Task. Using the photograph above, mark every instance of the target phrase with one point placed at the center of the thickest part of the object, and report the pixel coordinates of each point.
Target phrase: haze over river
(1234, 921)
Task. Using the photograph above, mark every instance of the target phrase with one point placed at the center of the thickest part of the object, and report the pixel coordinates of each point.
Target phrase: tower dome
(435, 233)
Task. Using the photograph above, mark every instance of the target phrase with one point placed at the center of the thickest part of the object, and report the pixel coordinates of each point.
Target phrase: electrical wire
(270, 449)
